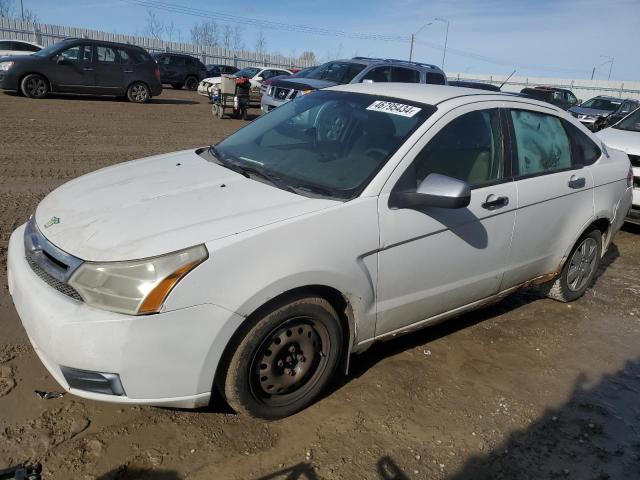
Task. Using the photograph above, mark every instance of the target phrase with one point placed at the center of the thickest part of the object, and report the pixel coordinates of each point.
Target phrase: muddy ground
(526, 389)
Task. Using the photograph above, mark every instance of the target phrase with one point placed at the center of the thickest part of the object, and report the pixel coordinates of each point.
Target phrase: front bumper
(167, 359)
(268, 103)
(8, 80)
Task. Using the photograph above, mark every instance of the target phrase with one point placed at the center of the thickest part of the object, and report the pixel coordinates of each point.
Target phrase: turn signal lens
(156, 297)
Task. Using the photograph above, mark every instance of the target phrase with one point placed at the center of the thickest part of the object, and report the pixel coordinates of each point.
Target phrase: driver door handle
(577, 182)
(494, 202)
(88, 69)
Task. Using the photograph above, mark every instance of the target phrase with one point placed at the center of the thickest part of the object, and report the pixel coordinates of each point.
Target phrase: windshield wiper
(249, 171)
(323, 191)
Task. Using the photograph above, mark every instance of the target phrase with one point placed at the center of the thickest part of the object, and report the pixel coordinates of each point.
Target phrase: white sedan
(18, 47)
(256, 76)
(254, 268)
(625, 136)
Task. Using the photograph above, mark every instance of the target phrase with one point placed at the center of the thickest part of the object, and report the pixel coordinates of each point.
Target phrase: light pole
(22, 10)
(446, 38)
(413, 36)
(610, 62)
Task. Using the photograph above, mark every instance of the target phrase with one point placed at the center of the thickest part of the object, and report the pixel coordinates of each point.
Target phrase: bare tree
(261, 43)
(6, 8)
(227, 36)
(206, 33)
(170, 31)
(238, 43)
(30, 16)
(154, 26)
(308, 58)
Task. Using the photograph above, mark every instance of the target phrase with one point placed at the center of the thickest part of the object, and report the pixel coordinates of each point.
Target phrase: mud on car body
(255, 267)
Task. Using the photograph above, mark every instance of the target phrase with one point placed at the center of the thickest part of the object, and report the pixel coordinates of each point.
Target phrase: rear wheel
(285, 359)
(138, 92)
(191, 83)
(579, 270)
(34, 86)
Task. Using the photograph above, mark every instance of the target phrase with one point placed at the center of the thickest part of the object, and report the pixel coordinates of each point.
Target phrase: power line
(265, 24)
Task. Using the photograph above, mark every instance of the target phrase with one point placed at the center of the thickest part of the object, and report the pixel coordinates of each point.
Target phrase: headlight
(135, 287)
(4, 66)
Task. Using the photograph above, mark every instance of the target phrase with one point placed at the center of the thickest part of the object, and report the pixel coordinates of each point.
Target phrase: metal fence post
(37, 35)
(235, 60)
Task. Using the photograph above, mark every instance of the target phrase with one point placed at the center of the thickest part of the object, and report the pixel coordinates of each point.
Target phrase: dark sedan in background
(84, 66)
(560, 97)
(594, 113)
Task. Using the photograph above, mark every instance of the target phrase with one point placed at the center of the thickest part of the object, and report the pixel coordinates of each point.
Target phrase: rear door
(73, 70)
(555, 194)
(434, 260)
(109, 70)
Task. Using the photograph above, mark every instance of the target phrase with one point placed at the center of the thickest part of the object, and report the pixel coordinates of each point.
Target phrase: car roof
(20, 41)
(430, 94)
(609, 97)
(103, 42)
(388, 61)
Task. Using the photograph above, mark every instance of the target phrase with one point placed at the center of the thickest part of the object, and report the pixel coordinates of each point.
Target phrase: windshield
(304, 72)
(631, 122)
(325, 143)
(601, 104)
(248, 72)
(338, 72)
(49, 50)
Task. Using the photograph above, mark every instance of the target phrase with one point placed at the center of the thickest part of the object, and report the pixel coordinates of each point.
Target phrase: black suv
(80, 65)
(218, 70)
(178, 69)
(560, 97)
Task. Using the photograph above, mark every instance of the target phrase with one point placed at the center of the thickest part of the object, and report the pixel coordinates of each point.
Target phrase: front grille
(635, 160)
(62, 287)
(281, 93)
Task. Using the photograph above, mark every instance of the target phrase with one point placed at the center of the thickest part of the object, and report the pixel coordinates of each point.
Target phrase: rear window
(338, 72)
(175, 60)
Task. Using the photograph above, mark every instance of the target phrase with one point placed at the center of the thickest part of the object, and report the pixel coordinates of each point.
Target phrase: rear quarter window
(435, 78)
(585, 150)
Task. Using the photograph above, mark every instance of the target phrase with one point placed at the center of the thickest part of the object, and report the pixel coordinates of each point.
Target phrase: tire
(579, 270)
(138, 92)
(220, 111)
(285, 359)
(191, 83)
(244, 114)
(34, 86)
(177, 86)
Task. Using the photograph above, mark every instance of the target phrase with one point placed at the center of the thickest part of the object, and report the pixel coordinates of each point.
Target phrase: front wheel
(191, 83)
(579, 270)
(34, 86)
(285, 359)
(138, 93)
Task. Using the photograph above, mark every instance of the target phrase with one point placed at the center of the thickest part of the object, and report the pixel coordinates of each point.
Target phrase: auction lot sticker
(394, 108)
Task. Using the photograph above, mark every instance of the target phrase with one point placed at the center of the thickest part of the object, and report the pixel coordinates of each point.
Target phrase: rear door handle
(88, 69)
(128, 71)
(577, 182)
(494, 202)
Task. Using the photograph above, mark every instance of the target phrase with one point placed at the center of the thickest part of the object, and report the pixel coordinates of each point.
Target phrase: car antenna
(506, 80)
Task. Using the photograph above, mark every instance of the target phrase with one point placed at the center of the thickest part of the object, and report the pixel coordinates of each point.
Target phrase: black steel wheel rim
(192, 84)
(290, 361)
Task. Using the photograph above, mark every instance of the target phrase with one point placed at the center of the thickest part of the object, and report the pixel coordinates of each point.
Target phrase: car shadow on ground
(126, 473)
(106, 98)
(592, 436)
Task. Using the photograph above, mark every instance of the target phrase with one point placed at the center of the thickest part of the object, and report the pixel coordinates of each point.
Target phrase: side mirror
(579, 102)
(59, 59)
(434, 191)
(258, 79)
(367, 80)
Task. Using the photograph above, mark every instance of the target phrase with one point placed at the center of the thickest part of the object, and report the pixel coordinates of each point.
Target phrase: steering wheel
(331, 121)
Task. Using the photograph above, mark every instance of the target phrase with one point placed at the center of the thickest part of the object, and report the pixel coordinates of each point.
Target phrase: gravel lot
(526, 389)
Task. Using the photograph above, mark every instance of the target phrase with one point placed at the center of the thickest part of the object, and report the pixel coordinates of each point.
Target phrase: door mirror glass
(435, 190)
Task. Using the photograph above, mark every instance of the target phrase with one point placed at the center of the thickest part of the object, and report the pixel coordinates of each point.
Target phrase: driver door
(73, 70)
(435, 260)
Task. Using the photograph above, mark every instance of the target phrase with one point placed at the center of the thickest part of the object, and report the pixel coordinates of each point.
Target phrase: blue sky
(561, 38)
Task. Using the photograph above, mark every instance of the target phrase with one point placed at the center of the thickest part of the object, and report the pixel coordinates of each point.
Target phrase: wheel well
(330, 294)
(126, 90)
(34, 73)
(604, 226)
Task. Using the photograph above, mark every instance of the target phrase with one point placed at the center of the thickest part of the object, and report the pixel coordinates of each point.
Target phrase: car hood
(591, 111)
(212, 80)
(628, 142)
(161, 204)
(303, 83)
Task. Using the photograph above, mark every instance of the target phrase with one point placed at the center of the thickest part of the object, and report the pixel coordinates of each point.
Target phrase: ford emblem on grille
(52, 221)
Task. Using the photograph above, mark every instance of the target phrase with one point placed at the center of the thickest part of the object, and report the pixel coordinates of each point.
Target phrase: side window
(6, 45)
(106, 54)
(378, 74)
(136, 57)
(435, 78)
(175, 60)
(71, 54)
(163, 60)
(124, 57)
(542, 144)
(405, 75)
(87, 53)
(585, 151)
(571, 98)
(469, 148)
(266, 74)
(30, 48)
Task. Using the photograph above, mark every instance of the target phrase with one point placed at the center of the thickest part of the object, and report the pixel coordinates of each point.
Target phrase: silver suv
(355, 70)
